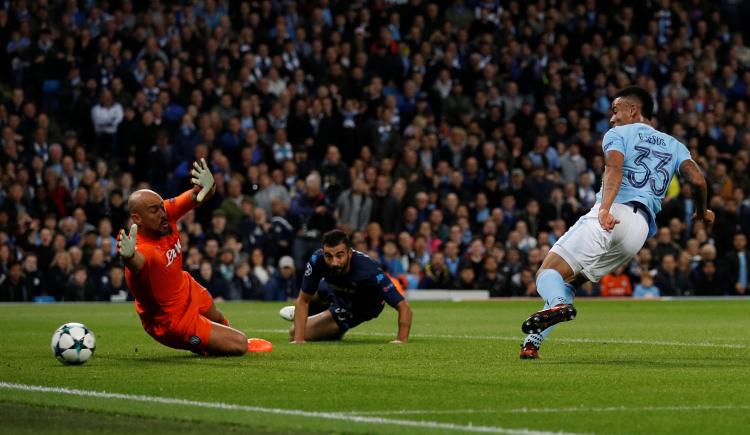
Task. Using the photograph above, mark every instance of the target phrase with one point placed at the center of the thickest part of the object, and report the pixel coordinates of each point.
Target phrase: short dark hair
(336, 237)
(642, 95)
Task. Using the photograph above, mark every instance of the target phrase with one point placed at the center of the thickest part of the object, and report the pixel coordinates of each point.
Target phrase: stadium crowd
(456, 140)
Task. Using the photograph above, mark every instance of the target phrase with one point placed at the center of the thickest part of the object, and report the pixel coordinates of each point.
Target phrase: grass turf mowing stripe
(561, 340)
(557, 410)
(28, 419)
(258, 409)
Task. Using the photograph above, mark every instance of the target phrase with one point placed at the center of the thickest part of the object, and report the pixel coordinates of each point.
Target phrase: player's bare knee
(239, 345)
(241, 349)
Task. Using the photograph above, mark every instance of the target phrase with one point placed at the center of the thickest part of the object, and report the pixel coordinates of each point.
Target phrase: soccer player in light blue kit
(640, 162)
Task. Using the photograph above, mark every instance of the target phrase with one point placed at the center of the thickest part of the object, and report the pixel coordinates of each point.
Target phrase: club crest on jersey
(173, 253)
(308, 269)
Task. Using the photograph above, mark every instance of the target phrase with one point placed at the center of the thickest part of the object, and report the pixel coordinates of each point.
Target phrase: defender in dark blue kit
(357, 289)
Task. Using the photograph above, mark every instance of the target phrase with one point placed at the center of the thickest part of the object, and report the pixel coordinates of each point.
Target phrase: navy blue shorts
(347, 319)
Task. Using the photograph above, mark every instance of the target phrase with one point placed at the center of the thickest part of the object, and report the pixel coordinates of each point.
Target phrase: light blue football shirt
(651, 159)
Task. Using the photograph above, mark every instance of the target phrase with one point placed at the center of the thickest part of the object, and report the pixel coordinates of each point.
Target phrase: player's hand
(202, 178)
(708, 217)
(607, 220)
(397, 342)
(298, 342)
(126, 242)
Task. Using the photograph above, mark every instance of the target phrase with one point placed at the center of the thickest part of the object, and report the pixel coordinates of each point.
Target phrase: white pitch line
(561, 340)
(557, 410)
(278, 411)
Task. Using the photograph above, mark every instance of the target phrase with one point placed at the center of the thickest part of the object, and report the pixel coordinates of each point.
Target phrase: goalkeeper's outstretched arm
(132, 259)
(203, 182)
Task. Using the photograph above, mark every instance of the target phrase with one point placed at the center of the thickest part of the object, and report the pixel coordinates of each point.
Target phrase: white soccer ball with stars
(73, 343)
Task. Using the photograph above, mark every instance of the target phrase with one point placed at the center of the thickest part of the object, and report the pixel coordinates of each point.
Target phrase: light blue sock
(554, 291)
(552, 288)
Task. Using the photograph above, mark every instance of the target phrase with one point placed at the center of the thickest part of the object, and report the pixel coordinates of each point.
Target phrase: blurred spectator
(391, 262)
(616, 283)
(225, 269)
(354, 206)
(282, 286)
(115, 285)
(98, 276)
(106, 116)
(707, 281)
(211, 281)
(670, 280)
(310, 209)
(244, 285)
(646, 288)
(737, 267)
(14, 288)
(258, 267)
(523, 283)
(466, 279)
(413, 277)
(665, 245)
(492, 279)
(78, 286)
(436, 274)
(35, 281)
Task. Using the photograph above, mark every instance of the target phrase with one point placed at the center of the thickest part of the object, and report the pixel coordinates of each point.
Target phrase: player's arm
(610, 187)
(203, 188)
(393, 298)
(404, 322)
(310, 282)
(203, 182)
(132, 259)
(301, 309)
(690, 170)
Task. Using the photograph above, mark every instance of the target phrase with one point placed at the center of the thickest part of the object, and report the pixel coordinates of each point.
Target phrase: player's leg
(533, 341)
(213, 314)
(227, 341)
(320, 302)
(551, 278)
(553, 284)
(320, 327)
(592, 252)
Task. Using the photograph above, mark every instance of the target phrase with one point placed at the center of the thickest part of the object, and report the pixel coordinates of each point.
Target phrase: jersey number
(664, 159)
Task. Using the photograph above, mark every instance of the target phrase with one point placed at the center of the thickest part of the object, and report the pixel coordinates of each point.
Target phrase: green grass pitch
(622, 367)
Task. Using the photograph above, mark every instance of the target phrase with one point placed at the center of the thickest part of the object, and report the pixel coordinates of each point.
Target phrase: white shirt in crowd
(106, 119)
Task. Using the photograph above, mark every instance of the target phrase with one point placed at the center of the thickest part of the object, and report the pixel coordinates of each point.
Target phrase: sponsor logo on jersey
(173, 253)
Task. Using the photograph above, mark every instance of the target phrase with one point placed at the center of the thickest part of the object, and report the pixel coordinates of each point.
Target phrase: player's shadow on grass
(182, 358)
(364, 341)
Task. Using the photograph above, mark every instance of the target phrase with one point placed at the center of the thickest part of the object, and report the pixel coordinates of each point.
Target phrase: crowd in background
(455, 140)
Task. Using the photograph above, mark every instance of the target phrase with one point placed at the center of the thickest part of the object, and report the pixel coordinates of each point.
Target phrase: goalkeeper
(174, 309)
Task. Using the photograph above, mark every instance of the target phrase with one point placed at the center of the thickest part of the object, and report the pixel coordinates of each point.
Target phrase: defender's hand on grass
(202, 178)
(126, 243)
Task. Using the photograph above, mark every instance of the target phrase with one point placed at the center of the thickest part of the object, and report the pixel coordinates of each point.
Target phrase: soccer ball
(73, 343)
